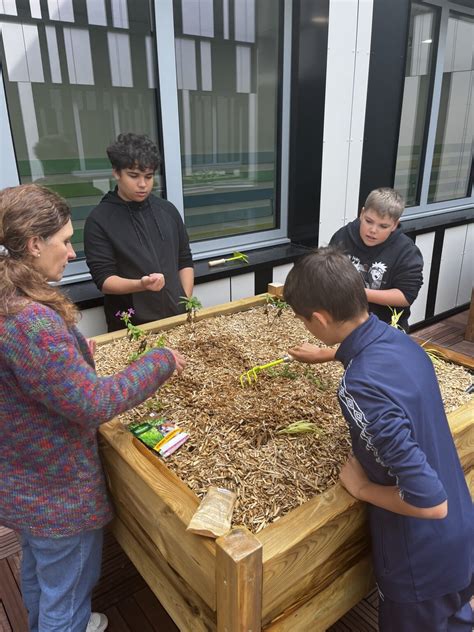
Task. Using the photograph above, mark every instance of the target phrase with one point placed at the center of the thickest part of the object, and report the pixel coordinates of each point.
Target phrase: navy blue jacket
(390, 398)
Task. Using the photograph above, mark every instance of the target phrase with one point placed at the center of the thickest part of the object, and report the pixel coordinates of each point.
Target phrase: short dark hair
(134, 150)
(326, 280)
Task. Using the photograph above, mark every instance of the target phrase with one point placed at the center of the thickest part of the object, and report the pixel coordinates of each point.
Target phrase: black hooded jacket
(395, 263)
(130, 240)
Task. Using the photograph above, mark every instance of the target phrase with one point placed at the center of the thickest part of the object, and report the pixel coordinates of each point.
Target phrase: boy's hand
(311, 354)
(353, 477)
(179, 360)
(153, 282)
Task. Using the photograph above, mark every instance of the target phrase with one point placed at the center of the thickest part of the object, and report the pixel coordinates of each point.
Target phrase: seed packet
(160, 435)
(214, 515)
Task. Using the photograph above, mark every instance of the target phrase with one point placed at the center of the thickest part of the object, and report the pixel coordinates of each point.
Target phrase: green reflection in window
(75, 77)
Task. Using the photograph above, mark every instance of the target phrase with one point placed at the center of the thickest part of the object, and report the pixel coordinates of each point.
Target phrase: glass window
(228, 68)
(416, 97)
(451, 170)
(76, 75)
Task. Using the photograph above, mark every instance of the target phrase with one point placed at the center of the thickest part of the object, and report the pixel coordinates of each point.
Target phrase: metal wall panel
(450, 269)
(425, 244)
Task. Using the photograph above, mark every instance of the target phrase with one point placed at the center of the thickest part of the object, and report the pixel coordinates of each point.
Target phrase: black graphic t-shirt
(395, 263)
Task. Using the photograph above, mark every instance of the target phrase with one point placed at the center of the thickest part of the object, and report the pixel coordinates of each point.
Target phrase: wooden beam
(239, 582)
(323, 609)
(276, 289)
(446, 353)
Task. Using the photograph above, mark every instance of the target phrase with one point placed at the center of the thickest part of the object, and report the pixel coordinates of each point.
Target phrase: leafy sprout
(191, 304)
(275, 305)
(395, 318)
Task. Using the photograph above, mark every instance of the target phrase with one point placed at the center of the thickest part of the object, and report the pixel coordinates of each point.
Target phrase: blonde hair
(29, 211)
(385, 201)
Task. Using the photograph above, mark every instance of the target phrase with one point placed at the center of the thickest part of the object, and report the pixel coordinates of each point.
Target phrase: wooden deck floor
(124, 596)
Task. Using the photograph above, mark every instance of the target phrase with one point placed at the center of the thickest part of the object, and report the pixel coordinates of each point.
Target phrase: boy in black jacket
(136, 244)
(404, 463)
(390, 264)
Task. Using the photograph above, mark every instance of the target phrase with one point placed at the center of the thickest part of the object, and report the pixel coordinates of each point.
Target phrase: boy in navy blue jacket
(404, 462)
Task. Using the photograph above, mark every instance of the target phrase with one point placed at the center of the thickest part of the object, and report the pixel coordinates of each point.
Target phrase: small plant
(283, 371)
(314, 379)
(133, 332)
(436, 357)
(274, 308)
(191, 305)
(395, 318)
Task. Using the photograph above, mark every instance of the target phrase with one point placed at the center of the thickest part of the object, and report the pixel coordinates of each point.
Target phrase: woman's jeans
(57, 578)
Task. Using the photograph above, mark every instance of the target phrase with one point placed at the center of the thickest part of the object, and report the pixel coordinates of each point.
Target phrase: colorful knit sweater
(51, 404)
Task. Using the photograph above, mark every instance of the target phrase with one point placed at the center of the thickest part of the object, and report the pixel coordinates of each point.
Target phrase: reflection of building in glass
(227, 65)
(71, 87)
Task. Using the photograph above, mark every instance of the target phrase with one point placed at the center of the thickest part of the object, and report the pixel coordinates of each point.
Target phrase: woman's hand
(179, 360)
(311, 354)
(92, 346)
(353, 477)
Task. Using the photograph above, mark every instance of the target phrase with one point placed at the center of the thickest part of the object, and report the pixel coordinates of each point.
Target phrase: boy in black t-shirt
(390, 264)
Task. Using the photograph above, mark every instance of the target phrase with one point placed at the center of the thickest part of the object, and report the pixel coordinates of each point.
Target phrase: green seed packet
(147, 431)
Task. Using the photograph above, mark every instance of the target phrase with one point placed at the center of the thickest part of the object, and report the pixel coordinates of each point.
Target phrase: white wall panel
(213, 292)
(281, 272)
(466, 282)
(418, 309)
(79, 56)
(242, 286)
(53, 52)
(92, 322)
(350, 27)
(96, 13)
(450, 268)
(8, 7)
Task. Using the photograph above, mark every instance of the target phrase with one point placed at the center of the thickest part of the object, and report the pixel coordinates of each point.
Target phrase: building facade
(275, 119)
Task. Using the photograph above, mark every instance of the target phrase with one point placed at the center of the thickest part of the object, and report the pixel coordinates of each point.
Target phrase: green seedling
(236, 256)
(191, 304)
(395, 318)
(250, 376)
(314, 379)
(133, 332)
(274, 305)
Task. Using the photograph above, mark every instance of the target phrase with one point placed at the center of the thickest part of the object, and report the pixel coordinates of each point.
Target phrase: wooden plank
(148, 494)
(324, 608)
(304, 550)
(155, 612)
(276, 289)
(208, 312)
(180, 600)
(239, 582)
(11, 599)
(446, 353)
(462, 428)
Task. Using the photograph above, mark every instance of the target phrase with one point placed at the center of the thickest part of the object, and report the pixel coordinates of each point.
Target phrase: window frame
(425, 208)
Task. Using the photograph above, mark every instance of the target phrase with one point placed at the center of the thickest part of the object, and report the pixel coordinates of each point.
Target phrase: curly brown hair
(29, 211)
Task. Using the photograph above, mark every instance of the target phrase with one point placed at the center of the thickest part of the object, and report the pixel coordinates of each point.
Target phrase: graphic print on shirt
(349, 403)
(373, 275)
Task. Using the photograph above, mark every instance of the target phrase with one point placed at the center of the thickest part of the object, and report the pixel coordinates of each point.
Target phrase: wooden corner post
(239, 582)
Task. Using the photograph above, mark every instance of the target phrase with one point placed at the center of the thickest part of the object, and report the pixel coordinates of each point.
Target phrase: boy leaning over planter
(404, 462)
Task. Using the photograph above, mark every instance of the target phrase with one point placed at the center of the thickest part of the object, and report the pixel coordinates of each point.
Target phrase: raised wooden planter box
(301, 573)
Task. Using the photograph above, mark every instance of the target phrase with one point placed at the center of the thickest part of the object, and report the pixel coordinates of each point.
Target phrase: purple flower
(118, 314)
(131, 310)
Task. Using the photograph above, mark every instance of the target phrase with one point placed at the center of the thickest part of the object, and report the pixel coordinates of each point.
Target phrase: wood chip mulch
(233, 430)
